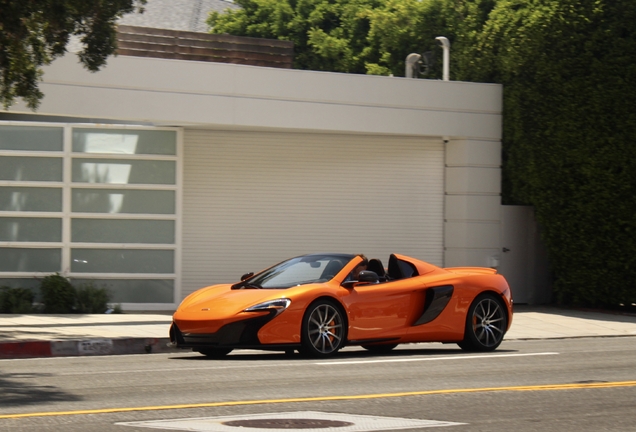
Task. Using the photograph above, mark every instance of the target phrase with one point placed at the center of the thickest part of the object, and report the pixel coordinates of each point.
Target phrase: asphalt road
(586, 384)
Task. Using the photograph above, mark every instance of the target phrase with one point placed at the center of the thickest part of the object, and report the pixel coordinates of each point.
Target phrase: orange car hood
(224, 300)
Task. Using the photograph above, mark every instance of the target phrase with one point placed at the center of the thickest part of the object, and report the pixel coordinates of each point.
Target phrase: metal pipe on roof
(444, 42)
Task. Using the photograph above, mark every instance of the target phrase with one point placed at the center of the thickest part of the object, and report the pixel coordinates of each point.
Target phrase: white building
(155, 177)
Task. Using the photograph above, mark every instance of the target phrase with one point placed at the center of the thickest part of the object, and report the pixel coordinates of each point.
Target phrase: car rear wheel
(215, 352)
(486, 324)
(323, 330)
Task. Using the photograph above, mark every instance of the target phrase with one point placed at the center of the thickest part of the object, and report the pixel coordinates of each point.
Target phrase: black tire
(379, 348)
(323, 330)
(214, 352)
(486, 324)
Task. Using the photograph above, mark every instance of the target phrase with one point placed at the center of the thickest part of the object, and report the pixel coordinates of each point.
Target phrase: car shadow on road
(342, 355)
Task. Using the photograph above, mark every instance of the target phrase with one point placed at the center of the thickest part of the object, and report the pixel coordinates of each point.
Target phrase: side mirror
(368, 276)
(247, 276)
(365, 277)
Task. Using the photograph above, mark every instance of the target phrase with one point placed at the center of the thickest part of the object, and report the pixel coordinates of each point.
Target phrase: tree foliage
(34, 32)
(569, 73)
(358, 36)
(355, 36)
(327, 35)
(399, 28)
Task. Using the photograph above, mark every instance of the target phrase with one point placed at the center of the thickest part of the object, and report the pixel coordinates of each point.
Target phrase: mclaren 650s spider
(319, 303)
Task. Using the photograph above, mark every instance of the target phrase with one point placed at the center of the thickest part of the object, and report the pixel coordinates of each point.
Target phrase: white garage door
(251, 199)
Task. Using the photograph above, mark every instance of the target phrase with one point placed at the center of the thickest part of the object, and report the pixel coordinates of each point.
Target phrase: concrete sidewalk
(24, 336)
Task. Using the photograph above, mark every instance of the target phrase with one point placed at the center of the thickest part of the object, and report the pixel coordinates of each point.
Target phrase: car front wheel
(486, 324)
(323, 330)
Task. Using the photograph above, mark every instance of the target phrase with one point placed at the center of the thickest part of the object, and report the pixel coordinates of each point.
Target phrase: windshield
(298, 271)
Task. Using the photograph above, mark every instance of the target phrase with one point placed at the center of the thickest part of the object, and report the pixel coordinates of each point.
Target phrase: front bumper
(239, 334)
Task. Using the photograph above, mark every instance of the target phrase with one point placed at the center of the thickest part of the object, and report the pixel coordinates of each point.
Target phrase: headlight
(279, 305)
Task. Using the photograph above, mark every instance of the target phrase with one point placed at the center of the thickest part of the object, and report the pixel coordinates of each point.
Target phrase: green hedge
(58, 296)
(16, 300)
(569, 74)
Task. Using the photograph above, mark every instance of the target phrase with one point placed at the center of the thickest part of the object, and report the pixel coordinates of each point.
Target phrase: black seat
(400, 269)
(394, 268)
(375, 265)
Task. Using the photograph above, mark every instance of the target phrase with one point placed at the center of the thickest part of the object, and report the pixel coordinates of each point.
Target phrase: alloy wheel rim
(325, 329)
(488, 322)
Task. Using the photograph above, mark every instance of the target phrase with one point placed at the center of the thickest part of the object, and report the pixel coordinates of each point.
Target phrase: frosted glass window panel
(122, 231)
(134, 290)
(30, 260)
(14, 168)
(31, 283)
(114, 171)
(123, 201)
(30, 229)
(122, 261)
(31, 138)
(30, 199)
(124, 141)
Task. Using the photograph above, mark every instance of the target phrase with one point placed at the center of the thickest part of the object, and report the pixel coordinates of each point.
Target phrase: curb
(84, 347)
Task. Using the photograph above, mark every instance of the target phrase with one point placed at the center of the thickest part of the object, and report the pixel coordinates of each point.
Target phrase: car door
(383, 310)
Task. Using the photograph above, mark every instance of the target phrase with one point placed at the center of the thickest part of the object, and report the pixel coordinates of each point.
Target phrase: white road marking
(290, 363)
(296, 363)
(456, 357)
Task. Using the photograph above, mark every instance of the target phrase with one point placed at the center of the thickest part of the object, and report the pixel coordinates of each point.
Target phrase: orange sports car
(319, 303)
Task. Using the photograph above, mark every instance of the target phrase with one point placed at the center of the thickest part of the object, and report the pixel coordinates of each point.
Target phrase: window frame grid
(67, 215)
